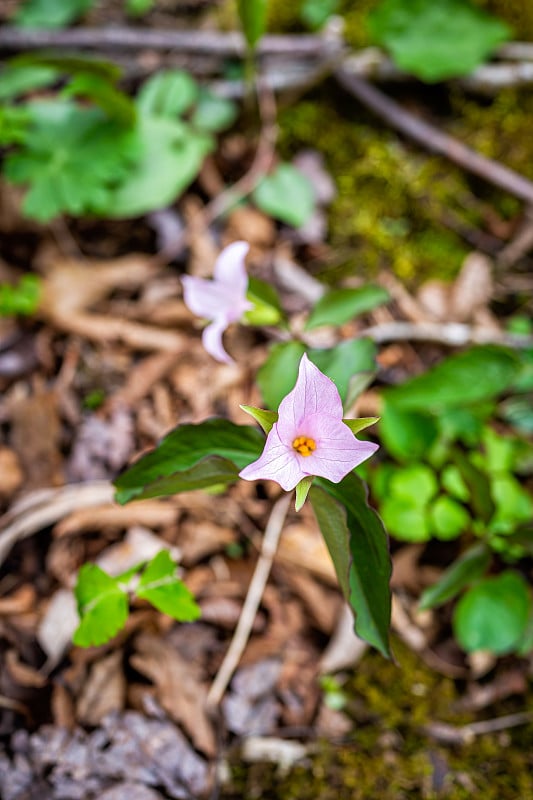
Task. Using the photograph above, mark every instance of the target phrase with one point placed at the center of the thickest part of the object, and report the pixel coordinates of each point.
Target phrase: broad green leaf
(315, 13)
(277, 376)
(465, 424)
(160, 585)
(470, 566)
(448, 519)
(500, 451)
(50, 13)
(436, 40)
(116, 104)
(341, 305)
(213, 113)
(212, 472)
(405, 519)
(452, 480)
(264, 418)
(514, 503)
(302, 490)
(407, 435)
(267, 308)
(416, 483)
(22, 299)
(493, 614)
(14, 123)
(344, 361)
(477, 374)
(286, 194)
(171, 157)
(357, 425)
(68, 63)
(102, 606)
(168, 93)
(478, 485)
(18, 80)
(183, 448)
(253, 17)
(358, 545)
(72, 158)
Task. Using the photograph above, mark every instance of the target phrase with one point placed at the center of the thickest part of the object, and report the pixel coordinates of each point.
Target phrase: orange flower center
(304, 445)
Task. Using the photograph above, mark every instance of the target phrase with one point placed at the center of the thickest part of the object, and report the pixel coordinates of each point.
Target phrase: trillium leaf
(160, 585)
(286, 194)
(493, 615)
(102, 606)
(466, 570)
(221, 446)
(277, 376)
(341, 305)
(357, 542)
(477, 374)
(344, 361)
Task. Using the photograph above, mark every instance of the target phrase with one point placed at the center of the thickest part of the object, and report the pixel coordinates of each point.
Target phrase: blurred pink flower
(221, 300)
(309, 437)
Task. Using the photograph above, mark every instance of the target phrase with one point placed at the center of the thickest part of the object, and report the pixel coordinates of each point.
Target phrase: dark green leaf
(471, 376)
(470, 566)
(286, 194)
(436, 40)
(277, 376)
(493, 614)
(116, 104)
(253, 16)
(160, 585)
(341, 305)
(102, 606)
(478, 484)
(407, 435)
(182, 449)
(68, 63)
(344, 361)
(358, 545)
(168, 93)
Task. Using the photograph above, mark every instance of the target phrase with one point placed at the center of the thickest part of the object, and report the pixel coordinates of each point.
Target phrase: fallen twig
(432, 138)
(453, 334)
(251, 604)
(452, 734)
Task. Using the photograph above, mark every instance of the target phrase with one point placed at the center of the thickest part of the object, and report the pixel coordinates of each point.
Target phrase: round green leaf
(448, 519)
(286, 194)
(493, 614)
(415, 484)
(405, 520)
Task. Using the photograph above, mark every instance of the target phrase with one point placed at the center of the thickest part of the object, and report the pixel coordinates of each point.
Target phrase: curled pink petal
(309, 437)
(222, 300)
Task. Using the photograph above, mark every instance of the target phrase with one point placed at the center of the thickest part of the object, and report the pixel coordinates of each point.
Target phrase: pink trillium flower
(221, 300)
(309, 437)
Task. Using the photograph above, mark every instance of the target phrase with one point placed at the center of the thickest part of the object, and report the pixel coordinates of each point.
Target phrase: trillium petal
(230, 268)
(206, 299)
(212, 341)
(277, 463)
(312, 393)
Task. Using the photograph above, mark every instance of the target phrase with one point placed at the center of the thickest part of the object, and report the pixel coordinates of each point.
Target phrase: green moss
(517, 13)
(390, 198)
(389, 757)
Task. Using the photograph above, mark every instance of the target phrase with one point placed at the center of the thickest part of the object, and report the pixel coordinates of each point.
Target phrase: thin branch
(432, 138)
(452, 734)
(453, 334)
(251, 604)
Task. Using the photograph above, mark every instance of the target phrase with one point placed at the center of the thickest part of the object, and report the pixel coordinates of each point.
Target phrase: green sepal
(264, 418)
(302, 490)
(357, 425)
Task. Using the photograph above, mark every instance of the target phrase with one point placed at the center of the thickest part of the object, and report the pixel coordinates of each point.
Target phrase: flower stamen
(304, 445)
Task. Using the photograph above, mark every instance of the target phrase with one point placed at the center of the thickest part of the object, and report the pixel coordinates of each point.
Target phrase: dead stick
(433, 139)
(453, 334)
(251, 604)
